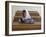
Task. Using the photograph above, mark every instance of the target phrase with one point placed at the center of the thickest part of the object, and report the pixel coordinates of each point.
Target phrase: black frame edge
(6, 19)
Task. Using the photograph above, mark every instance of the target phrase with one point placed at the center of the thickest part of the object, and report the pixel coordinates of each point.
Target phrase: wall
(29, 8)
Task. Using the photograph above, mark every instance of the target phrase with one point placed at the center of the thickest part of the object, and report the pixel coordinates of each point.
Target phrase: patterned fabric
(26, 20)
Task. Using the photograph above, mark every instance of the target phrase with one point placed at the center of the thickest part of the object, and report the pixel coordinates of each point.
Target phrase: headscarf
(27, 14)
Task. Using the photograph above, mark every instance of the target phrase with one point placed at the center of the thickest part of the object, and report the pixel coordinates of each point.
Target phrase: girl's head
(24, 13)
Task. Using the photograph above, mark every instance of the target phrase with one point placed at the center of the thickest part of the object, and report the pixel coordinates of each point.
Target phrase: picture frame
(8, 16)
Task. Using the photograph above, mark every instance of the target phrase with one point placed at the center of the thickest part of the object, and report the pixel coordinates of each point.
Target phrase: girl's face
(24, 14)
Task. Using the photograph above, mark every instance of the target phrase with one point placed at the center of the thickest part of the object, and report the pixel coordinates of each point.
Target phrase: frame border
(7, 17)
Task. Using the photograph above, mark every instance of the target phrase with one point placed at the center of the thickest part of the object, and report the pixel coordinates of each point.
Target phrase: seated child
(26, 18)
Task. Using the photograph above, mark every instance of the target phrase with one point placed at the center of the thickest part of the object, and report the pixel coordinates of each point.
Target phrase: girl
(26, 18)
